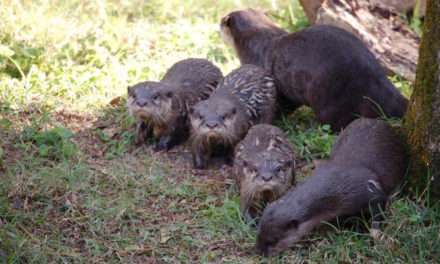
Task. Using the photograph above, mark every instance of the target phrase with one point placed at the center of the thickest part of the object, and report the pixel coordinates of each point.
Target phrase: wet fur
(166, 118)
(220, 142)
(263, 148)
(367, 163)
(324, 67)
(245, 97)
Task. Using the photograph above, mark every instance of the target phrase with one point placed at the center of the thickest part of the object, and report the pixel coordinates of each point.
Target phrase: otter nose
(211, 124)
(141, 103)
(266, 177)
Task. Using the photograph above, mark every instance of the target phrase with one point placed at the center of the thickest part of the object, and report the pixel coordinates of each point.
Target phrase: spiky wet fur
(264, 145)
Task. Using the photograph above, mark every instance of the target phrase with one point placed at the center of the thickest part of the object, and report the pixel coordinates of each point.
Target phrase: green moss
(420, 122)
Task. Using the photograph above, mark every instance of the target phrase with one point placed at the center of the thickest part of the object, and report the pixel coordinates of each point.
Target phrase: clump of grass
(55, 143)
(311, 139)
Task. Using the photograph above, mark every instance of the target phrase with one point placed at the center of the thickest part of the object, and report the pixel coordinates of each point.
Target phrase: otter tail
(386, 100)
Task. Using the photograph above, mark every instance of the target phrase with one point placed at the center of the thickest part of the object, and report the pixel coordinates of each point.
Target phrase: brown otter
(264, 165)
(160, 108)
(324, 67)
(368, 161)
(245, 97)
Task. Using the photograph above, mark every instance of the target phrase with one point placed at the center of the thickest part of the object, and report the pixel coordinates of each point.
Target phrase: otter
(264, 165)
(161, 108)
(323, 67)
(245, 97)
(367, 163)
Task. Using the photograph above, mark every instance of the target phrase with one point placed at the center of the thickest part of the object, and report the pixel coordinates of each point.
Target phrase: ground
(75, 189)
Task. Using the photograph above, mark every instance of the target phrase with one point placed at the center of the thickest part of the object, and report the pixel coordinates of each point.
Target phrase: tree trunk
(383, 31)
(422, 121)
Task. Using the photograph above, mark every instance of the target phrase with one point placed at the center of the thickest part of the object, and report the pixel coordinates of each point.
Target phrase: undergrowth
(74, 188)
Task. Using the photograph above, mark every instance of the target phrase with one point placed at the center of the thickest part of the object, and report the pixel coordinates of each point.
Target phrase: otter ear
(129, 90)
(226, 20)
(374, 187)
(292, 224)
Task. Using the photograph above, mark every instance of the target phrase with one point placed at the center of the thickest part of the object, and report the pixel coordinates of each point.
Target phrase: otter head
(218, 120)
(266, 177)
(151, 102)
(241, 27)
(242, 21)
(283, 223)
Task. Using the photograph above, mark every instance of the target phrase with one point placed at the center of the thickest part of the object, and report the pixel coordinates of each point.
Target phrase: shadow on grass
(105, 200)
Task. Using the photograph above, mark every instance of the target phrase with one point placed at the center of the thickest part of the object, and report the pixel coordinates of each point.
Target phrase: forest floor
(75, 189)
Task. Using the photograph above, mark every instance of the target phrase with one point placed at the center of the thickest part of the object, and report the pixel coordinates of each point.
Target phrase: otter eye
(278, 169)
(234, 111)
(156, 97)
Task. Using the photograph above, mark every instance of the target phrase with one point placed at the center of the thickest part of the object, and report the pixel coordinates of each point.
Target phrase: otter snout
(266, 176)
(141, 102)
(212, 124)
(263, 247)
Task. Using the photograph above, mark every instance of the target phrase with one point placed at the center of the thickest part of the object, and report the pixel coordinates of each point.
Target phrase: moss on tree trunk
(422, 122)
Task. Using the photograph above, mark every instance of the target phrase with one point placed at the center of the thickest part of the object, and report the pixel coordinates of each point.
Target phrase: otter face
(266, 177)
(281, 226)
(150, 102)
(216, 119)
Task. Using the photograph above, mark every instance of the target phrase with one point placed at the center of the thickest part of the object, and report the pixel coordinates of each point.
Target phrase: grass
(75, 189)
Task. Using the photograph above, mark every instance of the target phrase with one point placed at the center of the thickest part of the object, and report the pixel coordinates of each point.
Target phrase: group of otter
(323, 67)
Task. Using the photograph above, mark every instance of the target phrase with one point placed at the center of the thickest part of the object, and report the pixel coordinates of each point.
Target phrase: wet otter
(324, 67)
(245, 97)
(368, 161)
(161, 108)
(264, 165)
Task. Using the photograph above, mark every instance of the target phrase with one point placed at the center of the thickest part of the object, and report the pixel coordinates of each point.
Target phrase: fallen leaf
(115, 101)
(164, 236)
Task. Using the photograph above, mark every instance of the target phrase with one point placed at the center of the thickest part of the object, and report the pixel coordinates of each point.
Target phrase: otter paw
(247, 217)
(200, 163)
(141, 133)
(164, 143)
(140, 139)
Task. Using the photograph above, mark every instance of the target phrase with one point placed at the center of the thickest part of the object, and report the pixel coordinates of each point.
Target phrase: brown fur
(367, 163)
(324, 67)
(245, 97)
(161, 108)
(264, 165)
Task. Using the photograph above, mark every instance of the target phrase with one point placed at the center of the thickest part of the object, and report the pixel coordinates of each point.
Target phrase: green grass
(74, 189)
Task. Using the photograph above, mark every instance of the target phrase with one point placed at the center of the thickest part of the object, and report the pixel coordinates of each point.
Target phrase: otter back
(324, 67)
(197, 78)
(255, 89)
(367, 163)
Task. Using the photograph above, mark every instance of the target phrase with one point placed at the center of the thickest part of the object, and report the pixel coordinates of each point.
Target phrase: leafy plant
(55, 143)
